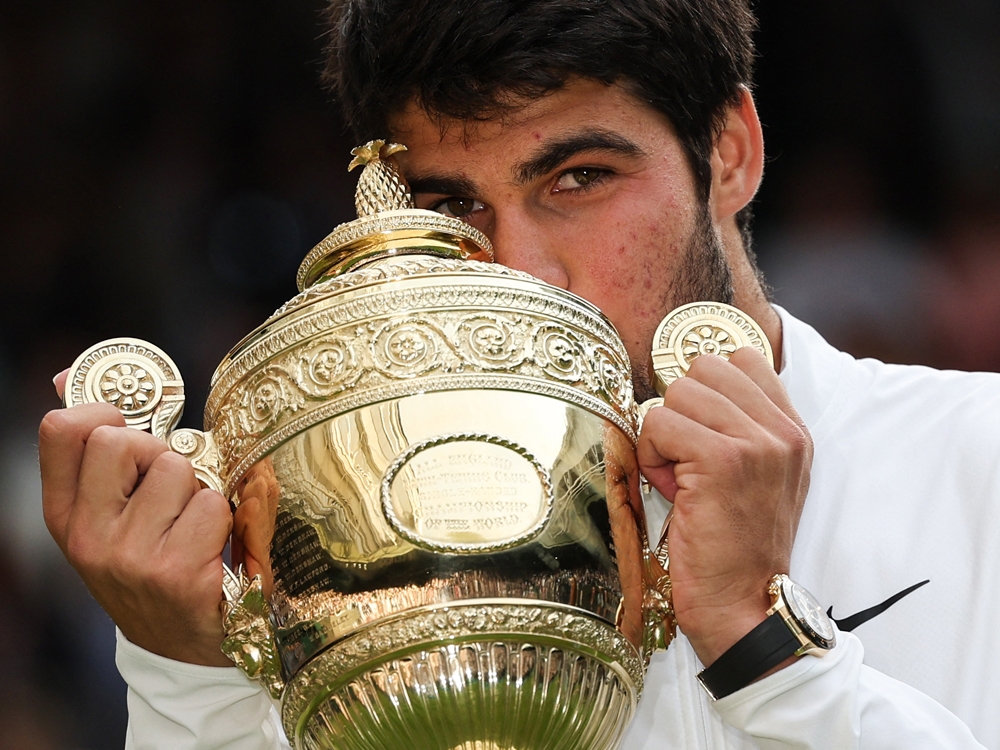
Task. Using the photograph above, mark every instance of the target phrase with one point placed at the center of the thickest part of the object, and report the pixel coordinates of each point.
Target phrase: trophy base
(497, 691)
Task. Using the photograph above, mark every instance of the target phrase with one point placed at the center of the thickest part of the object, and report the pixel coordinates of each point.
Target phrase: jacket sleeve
(190, 707)
(836, 702)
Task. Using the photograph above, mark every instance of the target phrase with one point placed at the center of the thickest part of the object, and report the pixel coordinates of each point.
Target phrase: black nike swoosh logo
(849, 623)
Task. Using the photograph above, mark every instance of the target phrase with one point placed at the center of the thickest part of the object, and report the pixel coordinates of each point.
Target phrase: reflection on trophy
(439, 536)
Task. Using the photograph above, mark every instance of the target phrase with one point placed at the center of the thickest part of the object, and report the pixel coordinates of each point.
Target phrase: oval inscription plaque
(467, 493)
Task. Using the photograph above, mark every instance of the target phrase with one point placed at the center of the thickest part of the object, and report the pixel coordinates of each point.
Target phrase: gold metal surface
(702, 328)
(439, 536)
(249, 640)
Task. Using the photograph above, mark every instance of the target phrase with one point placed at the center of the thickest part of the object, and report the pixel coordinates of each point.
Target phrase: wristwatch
(796, 624)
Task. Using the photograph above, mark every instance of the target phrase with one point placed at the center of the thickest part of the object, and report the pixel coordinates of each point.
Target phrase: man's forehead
(580, 100)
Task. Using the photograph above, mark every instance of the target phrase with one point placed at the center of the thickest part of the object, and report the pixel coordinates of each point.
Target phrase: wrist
(795, 625)
(205, 652)
(714, 630)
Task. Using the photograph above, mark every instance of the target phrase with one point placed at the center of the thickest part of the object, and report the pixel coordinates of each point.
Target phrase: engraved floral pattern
(614, 381)
(492, 341)
(407, 347)
(266, 400)
(708, 340)
(559, 353)
(488, 340)
(326, 365)
(406, 350)
(130, 387)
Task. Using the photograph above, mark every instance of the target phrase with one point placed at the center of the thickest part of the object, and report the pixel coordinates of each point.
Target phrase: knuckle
(214, 510)
(790, 444)
(53, 521)
(709, 366)
(215, 502)
(172, 464)
(682, 389)
(798, 439)
(747, 355)
(80, 551)
(170, 473)
(700, 367)
(107, 437)
(55, 425)
(59, 424)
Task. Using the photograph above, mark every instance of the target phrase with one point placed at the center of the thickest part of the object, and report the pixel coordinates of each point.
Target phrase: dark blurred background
(163, 169)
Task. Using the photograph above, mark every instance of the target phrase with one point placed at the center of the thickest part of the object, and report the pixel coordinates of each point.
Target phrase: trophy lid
(388, 224)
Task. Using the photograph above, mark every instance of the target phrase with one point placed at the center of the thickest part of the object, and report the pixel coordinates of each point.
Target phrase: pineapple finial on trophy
(381, 186)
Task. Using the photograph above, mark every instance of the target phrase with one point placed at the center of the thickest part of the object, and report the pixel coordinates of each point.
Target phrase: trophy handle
(658, 604)
(144, 384)
(249, 640)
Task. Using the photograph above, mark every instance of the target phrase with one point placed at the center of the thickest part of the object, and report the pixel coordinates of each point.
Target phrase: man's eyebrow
(441, 184)
(558, 150)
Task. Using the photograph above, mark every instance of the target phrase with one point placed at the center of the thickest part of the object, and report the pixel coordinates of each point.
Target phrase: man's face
(588, 189)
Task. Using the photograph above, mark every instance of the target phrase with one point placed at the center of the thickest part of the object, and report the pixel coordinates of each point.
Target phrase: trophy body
(450, 553)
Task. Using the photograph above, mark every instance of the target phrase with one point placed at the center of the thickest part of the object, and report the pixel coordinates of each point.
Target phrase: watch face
(809, 613)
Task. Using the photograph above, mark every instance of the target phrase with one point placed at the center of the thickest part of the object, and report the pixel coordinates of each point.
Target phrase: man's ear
(737, 159)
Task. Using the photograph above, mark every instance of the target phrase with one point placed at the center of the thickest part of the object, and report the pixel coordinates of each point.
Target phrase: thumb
(59, 381)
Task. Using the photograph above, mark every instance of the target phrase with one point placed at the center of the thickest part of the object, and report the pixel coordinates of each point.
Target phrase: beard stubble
(703, 275)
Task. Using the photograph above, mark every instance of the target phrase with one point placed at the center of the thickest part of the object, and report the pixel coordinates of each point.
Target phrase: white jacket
(905, 487)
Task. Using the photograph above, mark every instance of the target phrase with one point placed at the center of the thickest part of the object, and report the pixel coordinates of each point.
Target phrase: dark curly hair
(475, 59)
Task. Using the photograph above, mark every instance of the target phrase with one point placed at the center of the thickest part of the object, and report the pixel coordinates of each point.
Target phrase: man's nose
(522, 243)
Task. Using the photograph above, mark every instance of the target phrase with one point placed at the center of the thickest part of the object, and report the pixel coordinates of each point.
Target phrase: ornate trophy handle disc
(132, 375)
(702, 328)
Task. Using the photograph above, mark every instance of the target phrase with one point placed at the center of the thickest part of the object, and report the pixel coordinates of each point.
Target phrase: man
(612, 149)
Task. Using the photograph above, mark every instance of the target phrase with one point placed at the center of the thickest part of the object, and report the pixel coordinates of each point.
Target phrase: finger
(672, 442)
(710, 407)
(202, 530)
(669, 437)
(62, 439)
(664, 479)
(165, 490)
(113, 461)
(59, 381)
(759, 370)
(253, 523)
(752, 392)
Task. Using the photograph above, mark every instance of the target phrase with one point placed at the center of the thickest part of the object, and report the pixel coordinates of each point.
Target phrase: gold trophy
(431, 463)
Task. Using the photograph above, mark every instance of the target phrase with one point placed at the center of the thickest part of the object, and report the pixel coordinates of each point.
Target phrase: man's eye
(584, 177)
(458, 208)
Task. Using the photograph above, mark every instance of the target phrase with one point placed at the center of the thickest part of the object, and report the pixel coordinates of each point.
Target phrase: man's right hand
(129, 515)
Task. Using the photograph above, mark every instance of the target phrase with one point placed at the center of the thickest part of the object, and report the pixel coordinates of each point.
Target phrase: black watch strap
(764, 647)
